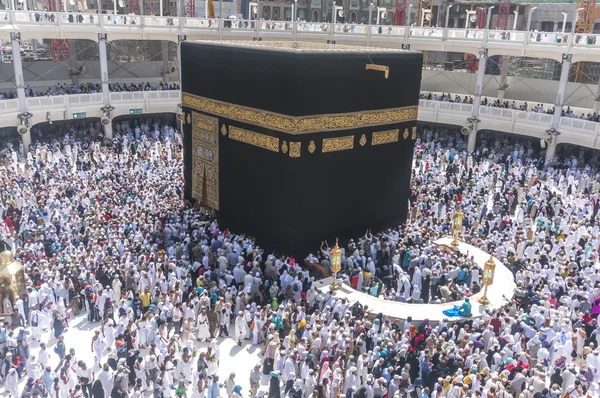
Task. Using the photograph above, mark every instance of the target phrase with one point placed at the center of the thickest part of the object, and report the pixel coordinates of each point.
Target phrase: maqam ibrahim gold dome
(8, 265)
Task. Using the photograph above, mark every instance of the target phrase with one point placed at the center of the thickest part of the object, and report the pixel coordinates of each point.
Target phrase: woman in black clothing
(97, 390)
(556, 378)
(274, 390)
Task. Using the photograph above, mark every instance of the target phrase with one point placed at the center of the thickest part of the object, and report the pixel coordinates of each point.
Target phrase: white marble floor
(498, 293)
(239, 360)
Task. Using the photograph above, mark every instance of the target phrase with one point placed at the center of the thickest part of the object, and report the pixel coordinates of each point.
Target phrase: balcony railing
(174, 25)
(577, 131)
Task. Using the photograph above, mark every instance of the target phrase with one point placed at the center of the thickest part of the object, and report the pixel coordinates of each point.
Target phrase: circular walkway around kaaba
(498, 293)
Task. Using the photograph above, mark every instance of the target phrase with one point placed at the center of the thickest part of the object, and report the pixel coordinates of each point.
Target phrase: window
(596, 28)
(548, 26)
(567, 27)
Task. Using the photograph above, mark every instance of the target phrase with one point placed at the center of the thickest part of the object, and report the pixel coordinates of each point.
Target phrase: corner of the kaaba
(297, 148)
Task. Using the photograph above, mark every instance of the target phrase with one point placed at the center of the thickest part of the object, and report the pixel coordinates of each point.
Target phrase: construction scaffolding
(190, 9)
(481, 17)
(584, 24)
(503, 14)
(425, 15)
(134, 7)
(60, 47)
(399, 14)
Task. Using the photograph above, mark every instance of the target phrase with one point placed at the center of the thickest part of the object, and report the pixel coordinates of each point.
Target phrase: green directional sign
(135, 111)
(79, 115)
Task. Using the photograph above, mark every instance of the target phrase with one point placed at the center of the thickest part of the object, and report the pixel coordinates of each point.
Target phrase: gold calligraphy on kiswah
(300, 124)
(254, 138)
(338, 143)
(385, 137)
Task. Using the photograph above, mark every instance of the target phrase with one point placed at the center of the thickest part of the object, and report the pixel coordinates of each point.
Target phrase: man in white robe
(240, 328)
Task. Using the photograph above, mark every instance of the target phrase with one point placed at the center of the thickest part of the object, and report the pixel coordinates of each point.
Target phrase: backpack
(295, 287)
(568, 393)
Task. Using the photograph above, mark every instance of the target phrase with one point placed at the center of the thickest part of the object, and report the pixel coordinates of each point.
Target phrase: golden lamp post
(489, 269)
(336, 264)
(458, 220)
(12, 276)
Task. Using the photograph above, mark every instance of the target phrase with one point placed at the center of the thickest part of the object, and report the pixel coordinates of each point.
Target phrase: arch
(445, 132)
(508, 139)
(315, 16)
(388, 19)
(584, 155)
(302, 14)
(287, 14)
(125, 51)
(353, 16)
(56, 125)
(535, 68)
(584, 72)
(42, 128)
(266, 13)
(276, 14)
(150, 115)
(364, 17)
(10, 135)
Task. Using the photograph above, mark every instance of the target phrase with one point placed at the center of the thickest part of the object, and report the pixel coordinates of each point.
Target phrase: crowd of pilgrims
(511, 104)
(105, 237)
(89, 88)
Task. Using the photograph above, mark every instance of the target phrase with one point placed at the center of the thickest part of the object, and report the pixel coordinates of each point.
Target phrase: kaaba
(294, 143)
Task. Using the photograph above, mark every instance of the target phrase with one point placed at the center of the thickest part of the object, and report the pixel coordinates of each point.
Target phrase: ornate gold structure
(385, 137)
(300, 124)
(380, 68)
(256, 139)
(458, 219)
(205, 159)
(489, 270)
(12, 276)
(284, 147)
(295, 149)
(414, 132)
(224, 129)
(363, 140)
(405, 134)
(336, 265)
(338, 144)
(312, 147)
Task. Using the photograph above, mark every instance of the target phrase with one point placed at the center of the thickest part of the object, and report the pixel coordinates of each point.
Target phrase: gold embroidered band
(338, 144)
(256, 139)
(300, 124)
(385, 137)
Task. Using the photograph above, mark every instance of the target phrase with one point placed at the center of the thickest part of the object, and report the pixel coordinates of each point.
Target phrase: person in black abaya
(289, 384)
(274, 390)
(413, 360)
(97, 390)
